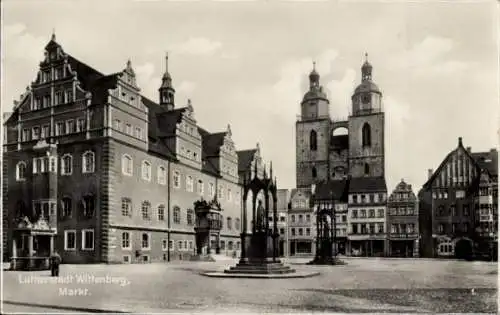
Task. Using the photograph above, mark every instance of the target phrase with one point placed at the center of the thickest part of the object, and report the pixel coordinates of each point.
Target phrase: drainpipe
(168, 209)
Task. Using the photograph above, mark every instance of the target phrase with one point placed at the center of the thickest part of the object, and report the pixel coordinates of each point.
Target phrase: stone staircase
(260, 268)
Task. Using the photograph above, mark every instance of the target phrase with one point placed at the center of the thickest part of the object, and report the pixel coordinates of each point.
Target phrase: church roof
(315, 94)
(367, 86)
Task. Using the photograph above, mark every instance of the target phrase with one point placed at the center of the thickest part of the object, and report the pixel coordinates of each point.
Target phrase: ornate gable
(457, 169)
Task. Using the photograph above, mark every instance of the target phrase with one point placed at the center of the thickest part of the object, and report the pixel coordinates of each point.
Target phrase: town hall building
(99, 173)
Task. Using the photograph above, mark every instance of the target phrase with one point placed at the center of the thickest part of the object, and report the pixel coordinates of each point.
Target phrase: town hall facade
(99, 173)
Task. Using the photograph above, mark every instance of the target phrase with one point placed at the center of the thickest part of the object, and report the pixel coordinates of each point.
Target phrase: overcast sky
(246, 63)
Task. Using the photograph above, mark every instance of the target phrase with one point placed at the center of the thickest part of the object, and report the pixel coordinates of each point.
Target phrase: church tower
(366, 128)
(312, 135)
(166, 89)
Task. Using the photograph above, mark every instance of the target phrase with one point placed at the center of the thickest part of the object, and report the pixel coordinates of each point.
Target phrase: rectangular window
(126, 207)
(354, 228)
(69, 96)
(37, 103)
(164, 244)
(363, 213)
(189, 183)
(46, 101)
(70, 240)
(70, 126)
(126, 240)
(177, 179)
(117, 124)
(301, 232)
(35, 134)
(25, 136)
(45, 131)
(145, 244)
(126, 258)
(220, 193)
(128, 129)
(59, 128)
(58, 73)
(354, 213)
(212, 189)
(88, 239)
(162, 175)
(308, 231)
(80, 125)
(372, 213)
(293, 232)
(171, 245)
(59, 98)
(201, 187)
(354, 198)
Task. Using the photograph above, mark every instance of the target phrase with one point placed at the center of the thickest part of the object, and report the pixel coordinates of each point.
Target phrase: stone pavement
(363, 285)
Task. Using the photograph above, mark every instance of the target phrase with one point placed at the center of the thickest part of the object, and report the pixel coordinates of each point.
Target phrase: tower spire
(366, 69)
(166, 89)
(166, 62)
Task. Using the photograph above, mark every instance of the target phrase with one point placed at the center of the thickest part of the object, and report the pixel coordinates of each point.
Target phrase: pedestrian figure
(55, 261)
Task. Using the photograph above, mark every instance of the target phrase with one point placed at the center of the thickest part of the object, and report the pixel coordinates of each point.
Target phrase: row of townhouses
(343, 161)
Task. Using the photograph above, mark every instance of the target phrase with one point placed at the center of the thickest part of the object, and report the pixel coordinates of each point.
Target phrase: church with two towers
(346, 167)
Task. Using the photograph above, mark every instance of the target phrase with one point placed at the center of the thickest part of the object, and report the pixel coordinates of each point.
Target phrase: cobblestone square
(363, 285)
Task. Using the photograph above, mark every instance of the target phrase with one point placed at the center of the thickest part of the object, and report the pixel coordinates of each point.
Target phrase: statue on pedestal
(261, 217)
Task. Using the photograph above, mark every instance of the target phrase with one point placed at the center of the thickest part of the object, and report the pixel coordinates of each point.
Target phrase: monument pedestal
(261, 257)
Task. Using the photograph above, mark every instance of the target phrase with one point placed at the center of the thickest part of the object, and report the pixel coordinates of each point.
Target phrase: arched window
(66, 206)
(237, 223)
(21, 171)
(189, 216)
(88, 162)
(67, 164)
(146, 210)
(88, 206)
(161, 213)
(314, 172)
(366, 135)
(146, 170)
(21, 209)
(162, 175)
(229, 223)
(367, 169)
(127, 165)
(145, 241)
(177, 215)
(313, 140)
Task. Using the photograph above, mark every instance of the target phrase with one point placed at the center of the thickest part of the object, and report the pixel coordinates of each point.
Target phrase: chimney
(469, 149)
(429, 173)
(460, 141)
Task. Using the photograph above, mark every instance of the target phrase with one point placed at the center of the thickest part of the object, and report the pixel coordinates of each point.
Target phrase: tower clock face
(365, 98)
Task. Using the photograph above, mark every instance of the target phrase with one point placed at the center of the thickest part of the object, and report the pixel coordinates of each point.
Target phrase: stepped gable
(367, 184)
(332, 190)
